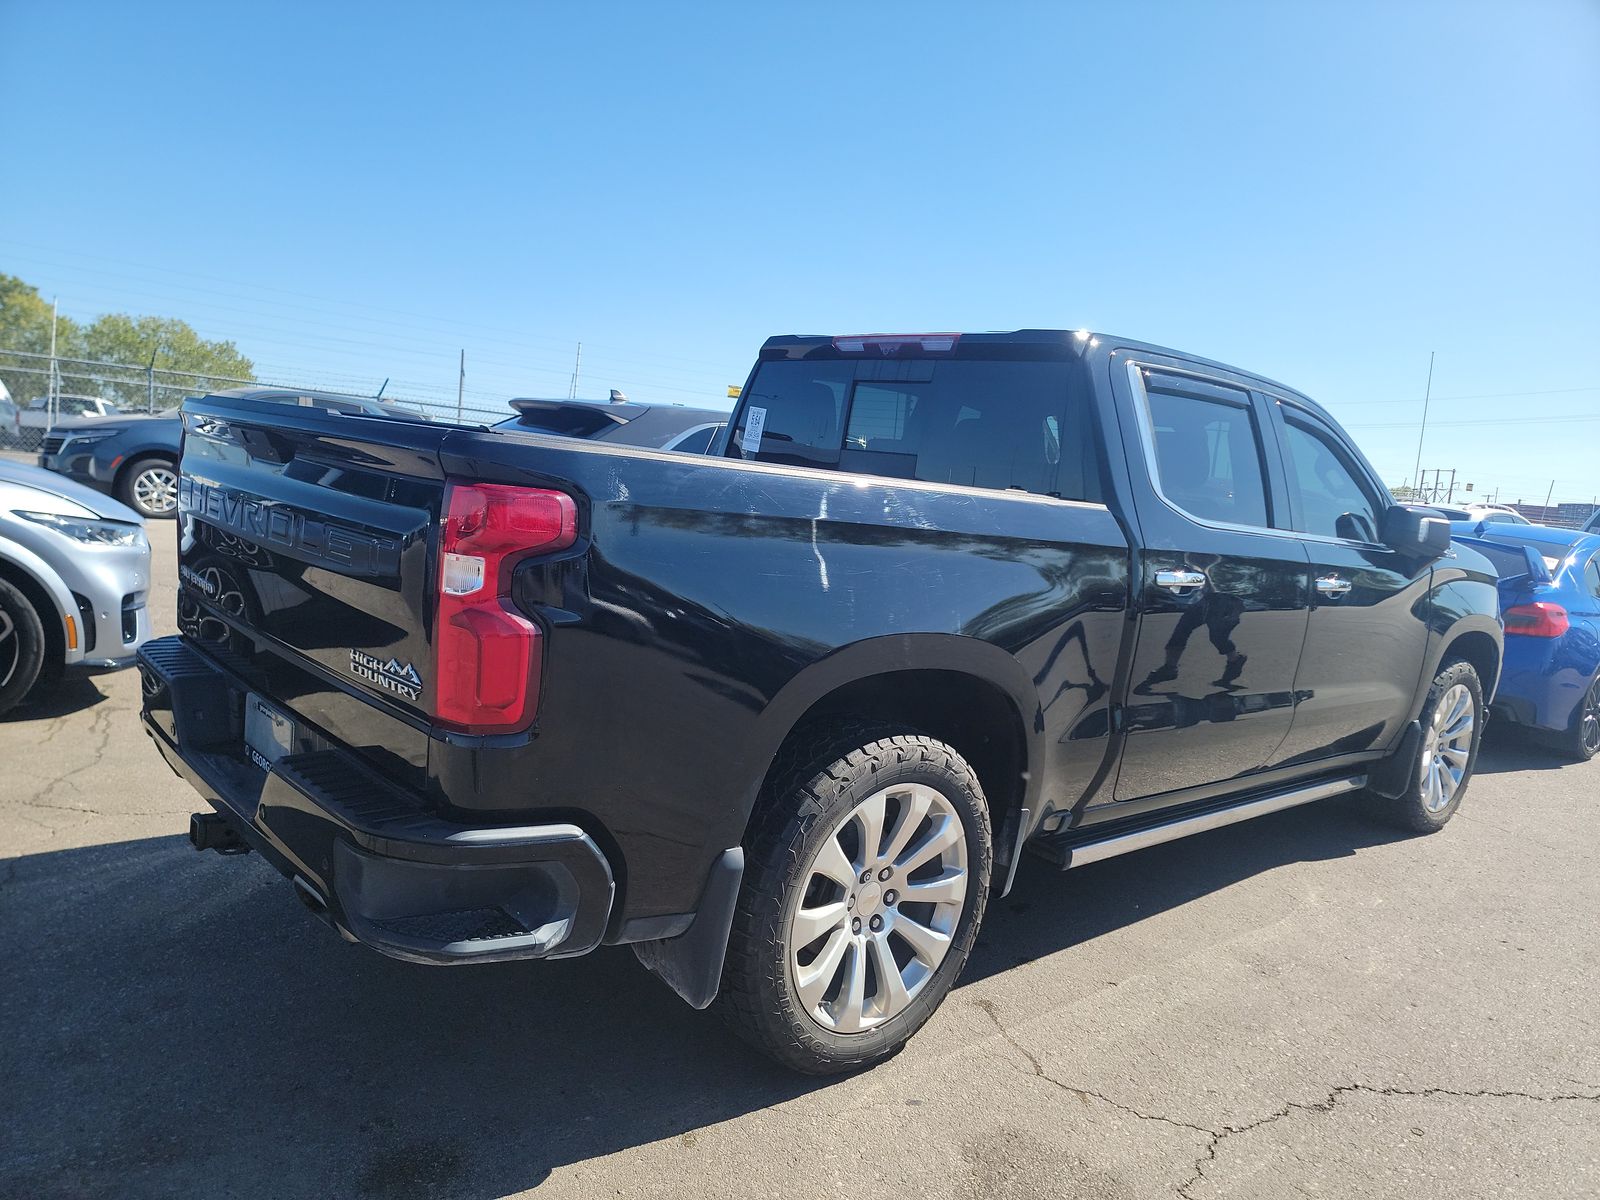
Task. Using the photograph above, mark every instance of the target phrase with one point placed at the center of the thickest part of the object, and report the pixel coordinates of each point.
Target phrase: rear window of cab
(986, 424)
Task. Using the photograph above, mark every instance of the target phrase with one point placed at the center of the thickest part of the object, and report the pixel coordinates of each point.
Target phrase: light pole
(1426, 396)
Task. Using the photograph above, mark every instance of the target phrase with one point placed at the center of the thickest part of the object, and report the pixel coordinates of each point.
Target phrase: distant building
(1564, 516)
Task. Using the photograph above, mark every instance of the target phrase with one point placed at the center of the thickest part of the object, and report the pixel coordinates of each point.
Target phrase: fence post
(52, 389)
(150, 384)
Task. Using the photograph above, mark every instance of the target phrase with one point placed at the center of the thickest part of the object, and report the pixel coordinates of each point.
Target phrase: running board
(1081, 853)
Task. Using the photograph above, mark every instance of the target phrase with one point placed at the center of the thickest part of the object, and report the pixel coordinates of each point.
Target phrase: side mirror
(1417, 532)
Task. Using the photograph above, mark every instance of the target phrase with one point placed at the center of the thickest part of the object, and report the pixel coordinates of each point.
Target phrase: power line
(1498, 421)
(1565, 391)
(298, 300)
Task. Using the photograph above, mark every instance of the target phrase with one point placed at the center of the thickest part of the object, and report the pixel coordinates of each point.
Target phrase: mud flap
(691, 963)
(1390, 777)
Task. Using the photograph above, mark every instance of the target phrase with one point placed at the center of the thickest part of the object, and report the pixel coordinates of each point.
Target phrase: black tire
(22, 646)
(138, 482)
(1581, 742)
(1411, 809)
(821, 781)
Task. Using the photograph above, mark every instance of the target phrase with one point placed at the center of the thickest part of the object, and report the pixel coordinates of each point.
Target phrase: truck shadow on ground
(177, 1025)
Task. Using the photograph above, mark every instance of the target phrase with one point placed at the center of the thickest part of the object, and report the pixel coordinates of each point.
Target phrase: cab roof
(1022, 343)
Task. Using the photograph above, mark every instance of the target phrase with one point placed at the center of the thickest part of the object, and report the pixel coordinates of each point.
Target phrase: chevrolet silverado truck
(784, 717)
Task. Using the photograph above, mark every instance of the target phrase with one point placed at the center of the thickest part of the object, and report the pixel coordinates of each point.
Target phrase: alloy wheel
(1448, 748)
(10, 648)
(1589, 719)
(879, 907)
(156, 490)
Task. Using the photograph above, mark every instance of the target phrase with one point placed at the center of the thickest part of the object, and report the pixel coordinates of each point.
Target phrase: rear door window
(987, 424)
(1208, 454)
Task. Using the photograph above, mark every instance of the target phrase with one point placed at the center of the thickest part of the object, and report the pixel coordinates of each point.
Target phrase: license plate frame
(269, 733)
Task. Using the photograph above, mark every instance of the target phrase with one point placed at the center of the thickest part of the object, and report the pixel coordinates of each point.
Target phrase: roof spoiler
(617, 410)
(1538, 571)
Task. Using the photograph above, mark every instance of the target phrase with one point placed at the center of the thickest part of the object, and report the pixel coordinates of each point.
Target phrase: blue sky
(1321, 192)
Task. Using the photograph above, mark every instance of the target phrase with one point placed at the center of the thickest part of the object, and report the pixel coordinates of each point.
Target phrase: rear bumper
(365, 855)
(1544, 679)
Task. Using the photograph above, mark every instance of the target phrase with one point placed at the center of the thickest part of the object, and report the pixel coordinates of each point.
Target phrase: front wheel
(149, 486)
(1452, 726)
(22, 646)
(868, 870)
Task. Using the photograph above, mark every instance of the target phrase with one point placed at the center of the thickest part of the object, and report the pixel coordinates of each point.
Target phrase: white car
(74, 577)
(36, 418)
(1496, 514)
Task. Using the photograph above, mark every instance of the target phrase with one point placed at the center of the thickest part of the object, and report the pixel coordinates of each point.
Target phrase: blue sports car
(1550, 599)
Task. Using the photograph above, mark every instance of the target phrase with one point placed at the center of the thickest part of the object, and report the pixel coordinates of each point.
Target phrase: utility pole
(1547, 496)
(150, 384)
(1426, 396)
(577, 366)
(461, 385)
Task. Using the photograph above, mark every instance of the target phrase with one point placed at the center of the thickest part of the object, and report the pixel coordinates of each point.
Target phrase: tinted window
(977, 424)
(698, 442)
(1591, 576)
(799, 405)
(1208, 455)
(1333, 501)
(1509, 562)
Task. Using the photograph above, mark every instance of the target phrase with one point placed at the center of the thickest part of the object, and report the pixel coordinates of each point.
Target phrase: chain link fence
(46, 390)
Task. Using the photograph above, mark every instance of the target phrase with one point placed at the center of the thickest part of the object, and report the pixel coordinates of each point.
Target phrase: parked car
(1495, 514)
(1550, 599)
(36, 418)
(10, 419)
(74, 577)
(621, 421)
(784, 717)
(134, 457)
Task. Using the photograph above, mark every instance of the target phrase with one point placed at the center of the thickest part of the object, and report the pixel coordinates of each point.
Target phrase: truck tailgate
(306, 556)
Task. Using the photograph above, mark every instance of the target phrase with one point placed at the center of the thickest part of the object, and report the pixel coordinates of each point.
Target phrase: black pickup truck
(785, 716)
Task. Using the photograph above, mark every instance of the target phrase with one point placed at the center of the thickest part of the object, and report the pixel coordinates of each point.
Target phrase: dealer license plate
(268, 734)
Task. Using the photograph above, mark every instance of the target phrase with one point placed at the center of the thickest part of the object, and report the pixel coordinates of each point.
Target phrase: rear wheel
(1452, 726)
(22, 647)
(1582, 740)
(868, 871)
(149, 486)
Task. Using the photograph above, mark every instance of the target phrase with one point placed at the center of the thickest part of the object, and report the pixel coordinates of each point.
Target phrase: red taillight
(890, 344)
(486, 653)
(1538, 618)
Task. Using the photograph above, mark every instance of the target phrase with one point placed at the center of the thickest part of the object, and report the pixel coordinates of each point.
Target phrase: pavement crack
(1084, 1094)
(1331, 1101)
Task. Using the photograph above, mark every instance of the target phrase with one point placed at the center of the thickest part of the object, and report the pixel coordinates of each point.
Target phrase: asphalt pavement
(1308, 1004)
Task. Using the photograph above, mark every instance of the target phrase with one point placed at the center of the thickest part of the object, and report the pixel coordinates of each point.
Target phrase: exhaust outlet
(213, 831)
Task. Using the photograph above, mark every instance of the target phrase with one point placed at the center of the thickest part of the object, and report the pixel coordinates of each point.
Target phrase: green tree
(170, 345)
(25, 326)
(133, 342)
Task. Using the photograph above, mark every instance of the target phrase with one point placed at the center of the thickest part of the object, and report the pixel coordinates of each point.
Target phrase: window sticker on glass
(754, 422)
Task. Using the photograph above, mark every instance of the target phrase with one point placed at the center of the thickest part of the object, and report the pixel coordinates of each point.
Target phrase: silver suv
(74, 577)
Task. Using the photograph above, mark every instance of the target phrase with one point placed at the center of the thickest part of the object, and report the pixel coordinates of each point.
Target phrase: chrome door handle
(1332, 586)
(1179, 581)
